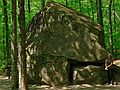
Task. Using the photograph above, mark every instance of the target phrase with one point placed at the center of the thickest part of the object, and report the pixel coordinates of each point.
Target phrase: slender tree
(114, 15)
(7, 54)
(88, 8)
(91, 2)
(114, 21)
(66, 2)
(28, 6)
(99, 12)
(22, 47)
(3, 43)
(110, 27)
(43, 3)
(80, 5)
(100, 21)
(14, 48)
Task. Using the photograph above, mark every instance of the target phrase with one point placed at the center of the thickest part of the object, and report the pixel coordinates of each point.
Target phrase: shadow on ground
(77, 87)
(5, 84)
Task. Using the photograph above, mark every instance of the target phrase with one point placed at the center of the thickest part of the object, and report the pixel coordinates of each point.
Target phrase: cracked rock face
(61, 32)
(89, 74)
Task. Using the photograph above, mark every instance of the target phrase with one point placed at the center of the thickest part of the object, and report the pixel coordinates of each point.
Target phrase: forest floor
(5, 84)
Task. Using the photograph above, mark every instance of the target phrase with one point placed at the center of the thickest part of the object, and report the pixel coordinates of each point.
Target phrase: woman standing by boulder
(108, 68)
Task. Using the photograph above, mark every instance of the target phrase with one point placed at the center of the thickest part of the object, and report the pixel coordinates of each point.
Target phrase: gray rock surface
(55, 34)
(60, 31)
(89, 75)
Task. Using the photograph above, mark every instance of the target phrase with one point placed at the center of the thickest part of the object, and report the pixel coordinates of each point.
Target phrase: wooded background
(104, 12)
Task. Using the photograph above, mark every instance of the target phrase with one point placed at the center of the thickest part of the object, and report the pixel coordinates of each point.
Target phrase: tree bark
(99, 12)
(100, 21)
(66, 3)
(92, 12)
(14, 48)
(43, 3)
(80, 5)
(22, 47)
(88, 8)
(28, 6)
(110, 29)
(114, 21)
(7, 54)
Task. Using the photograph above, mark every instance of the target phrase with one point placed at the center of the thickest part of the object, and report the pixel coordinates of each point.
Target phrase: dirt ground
(78, 87)
(5, 85)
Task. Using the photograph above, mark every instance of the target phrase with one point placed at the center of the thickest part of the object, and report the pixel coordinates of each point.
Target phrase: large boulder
(116, 71)
(59, 31)
(50, 70)
(55, 34)
(89, 74)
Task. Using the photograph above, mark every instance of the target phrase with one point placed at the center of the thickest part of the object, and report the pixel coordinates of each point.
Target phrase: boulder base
(50, 70)
(89, 74)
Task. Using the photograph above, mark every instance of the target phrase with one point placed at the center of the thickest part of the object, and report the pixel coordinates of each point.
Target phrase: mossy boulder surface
(89, 75)
(60, 33)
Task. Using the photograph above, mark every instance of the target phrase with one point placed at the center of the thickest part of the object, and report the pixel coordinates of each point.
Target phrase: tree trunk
(22, 47)
(99, 12)
(14, 48)
(7, 34)
(110, 29)
(80, 5)
(28, 6)
(3, 43)
(43, 3)
(115, 40)
(66, 3)
(88, 8)
(100, 21)
(92, 12)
